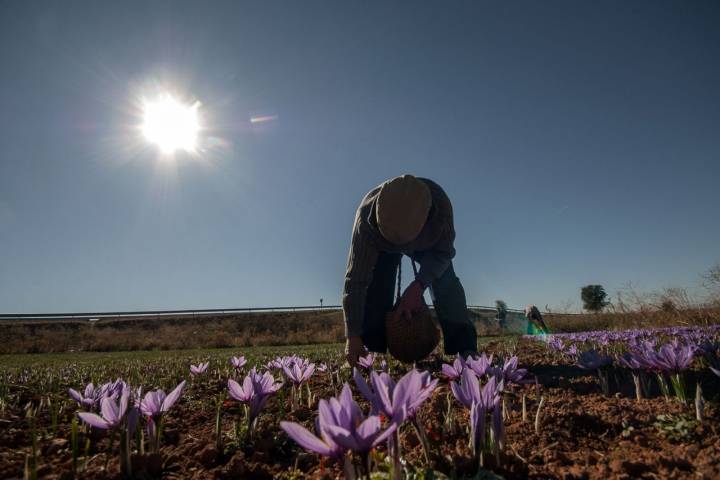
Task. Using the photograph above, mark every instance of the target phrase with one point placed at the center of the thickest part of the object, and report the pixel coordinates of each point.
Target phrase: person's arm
(358, 275)
(435, 261)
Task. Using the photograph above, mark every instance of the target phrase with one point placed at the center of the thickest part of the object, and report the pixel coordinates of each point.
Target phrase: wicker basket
(414, 339)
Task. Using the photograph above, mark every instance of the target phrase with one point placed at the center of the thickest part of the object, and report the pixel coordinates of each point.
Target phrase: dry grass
(166, 333)
(284, 328)
(632, 319)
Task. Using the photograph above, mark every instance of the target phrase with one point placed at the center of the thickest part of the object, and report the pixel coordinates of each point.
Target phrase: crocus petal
(384, 389)
(369, 426)
(124, 400)
(150, 404)
(75, 395)
(363, 386)
(325, 414)
(172, 397)
(235, 390)
(457, 392)
(132, 419)
(343, 437)
(94, 420)
(110, 411)
(449, 371)
(407, 386)
(306, 439)
(89, 390)
(371, 433)
(474, 414)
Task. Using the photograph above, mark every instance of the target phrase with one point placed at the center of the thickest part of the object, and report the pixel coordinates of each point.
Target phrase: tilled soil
(581, 434)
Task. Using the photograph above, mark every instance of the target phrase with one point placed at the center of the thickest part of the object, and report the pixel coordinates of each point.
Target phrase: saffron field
(620, 404)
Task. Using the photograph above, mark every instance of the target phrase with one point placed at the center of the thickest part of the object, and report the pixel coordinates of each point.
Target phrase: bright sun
(171, 125)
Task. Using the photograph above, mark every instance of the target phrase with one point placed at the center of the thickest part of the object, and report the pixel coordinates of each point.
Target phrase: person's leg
(451, 308)
(380, 300)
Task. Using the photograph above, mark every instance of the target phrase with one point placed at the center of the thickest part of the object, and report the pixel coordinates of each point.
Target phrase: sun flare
(170, 124)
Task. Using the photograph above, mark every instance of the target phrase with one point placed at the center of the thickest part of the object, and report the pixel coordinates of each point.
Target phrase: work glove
(354, 348)
(411, 300)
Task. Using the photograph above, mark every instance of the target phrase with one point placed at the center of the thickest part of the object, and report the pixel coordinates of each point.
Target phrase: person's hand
(354, 348)
(411, 300)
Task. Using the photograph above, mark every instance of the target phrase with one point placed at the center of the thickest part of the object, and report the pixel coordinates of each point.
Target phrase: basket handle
(399, 277)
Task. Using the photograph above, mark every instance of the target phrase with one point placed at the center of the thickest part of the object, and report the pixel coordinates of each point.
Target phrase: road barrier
(92, 316)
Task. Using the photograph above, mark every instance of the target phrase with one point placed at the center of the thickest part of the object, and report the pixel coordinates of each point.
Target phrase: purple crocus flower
(299, 372)
(555, 343)
(479, 365)
(480, 401)
(87, 399)
(300, 361)
(255, 391)
(199, 369)
(238, 362)
(341, 427)
(509, 372)
(592, 360)
(112, 411)
(468, 390)
(673, 357)
(453, 372)
(156, 403)
(367, 361)
(632, 361)
(275, 364)
(572, 351)
(396, 401)
(110, 389)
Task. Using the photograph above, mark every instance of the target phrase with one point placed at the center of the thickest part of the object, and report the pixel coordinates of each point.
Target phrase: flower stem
(537, 415)
(218, 425)
(638, 385)
(74, 445)
(394, 450)
(423, 438)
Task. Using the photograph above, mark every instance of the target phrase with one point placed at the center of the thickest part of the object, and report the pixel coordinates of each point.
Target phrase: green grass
(25, 360)
(204, 354)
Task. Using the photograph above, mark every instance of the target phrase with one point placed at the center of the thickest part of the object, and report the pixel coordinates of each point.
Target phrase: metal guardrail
(146, 313)
(195, 312)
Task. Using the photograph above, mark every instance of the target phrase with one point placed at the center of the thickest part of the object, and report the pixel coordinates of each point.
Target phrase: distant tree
(667, 306)
(712, 276)
(711, 281)
(594, 298)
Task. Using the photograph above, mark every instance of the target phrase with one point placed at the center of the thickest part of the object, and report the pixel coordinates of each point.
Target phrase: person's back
(536, 324)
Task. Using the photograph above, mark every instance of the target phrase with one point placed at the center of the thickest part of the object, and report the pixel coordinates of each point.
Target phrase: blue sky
(577, 140)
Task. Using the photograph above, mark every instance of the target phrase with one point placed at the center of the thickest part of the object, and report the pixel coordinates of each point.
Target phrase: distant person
(536, 324)
(501, 309)
(411, 216)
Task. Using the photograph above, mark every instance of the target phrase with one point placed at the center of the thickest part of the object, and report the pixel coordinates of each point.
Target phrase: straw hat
(402, 208)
